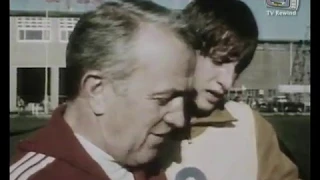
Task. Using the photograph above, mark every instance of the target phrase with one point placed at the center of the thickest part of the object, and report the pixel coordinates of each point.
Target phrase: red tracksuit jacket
(54, 153)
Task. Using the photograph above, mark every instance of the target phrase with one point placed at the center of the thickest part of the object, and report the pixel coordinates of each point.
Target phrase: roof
(272, 28)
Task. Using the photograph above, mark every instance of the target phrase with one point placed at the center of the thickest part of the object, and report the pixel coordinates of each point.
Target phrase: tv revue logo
(282, 7)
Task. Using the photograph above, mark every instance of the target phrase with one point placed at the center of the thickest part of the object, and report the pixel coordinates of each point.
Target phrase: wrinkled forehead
(159, 46)
(164, 57)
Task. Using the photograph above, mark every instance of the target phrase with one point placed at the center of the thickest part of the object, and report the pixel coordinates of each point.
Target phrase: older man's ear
(93, 87)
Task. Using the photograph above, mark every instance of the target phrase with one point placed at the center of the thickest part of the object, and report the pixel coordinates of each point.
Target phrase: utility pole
(46, 73)
(46, 81)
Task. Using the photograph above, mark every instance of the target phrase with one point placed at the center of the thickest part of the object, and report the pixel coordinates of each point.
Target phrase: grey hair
(102, 39)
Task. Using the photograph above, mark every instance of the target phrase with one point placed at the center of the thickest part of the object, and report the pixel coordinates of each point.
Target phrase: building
(273, 65)
(37, 42)
(39, 33)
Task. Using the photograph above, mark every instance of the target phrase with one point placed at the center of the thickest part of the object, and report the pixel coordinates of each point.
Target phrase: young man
(116, 115)
(227, 140)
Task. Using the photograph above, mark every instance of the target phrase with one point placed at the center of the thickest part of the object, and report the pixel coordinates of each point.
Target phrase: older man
(129, 69)
(227, 140)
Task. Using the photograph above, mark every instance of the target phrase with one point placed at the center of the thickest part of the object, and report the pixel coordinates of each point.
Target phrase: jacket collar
(220, 117)
(217, 116)
(57, 139)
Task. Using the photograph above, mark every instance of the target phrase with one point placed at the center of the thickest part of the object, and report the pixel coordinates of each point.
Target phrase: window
(33, 29)
(271, 92)
(250, 92)
(66, 26)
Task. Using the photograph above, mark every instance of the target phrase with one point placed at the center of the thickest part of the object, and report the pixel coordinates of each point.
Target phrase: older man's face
(153, 104)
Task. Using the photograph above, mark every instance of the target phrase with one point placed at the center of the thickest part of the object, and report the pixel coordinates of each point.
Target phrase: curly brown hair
(224, 28)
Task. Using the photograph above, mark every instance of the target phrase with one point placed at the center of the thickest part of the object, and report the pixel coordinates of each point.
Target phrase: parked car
(283, 104)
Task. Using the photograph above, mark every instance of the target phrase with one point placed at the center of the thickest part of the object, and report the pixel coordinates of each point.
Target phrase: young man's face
(214, 76)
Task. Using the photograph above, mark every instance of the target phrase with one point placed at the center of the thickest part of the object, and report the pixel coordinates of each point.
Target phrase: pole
(46, 74)
(291, 61)
(68, 4)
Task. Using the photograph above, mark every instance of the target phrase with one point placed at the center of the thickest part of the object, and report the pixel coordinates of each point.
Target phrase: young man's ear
(92, 85)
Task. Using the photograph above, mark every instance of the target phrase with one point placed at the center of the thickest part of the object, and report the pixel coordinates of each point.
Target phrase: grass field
(293, 131)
